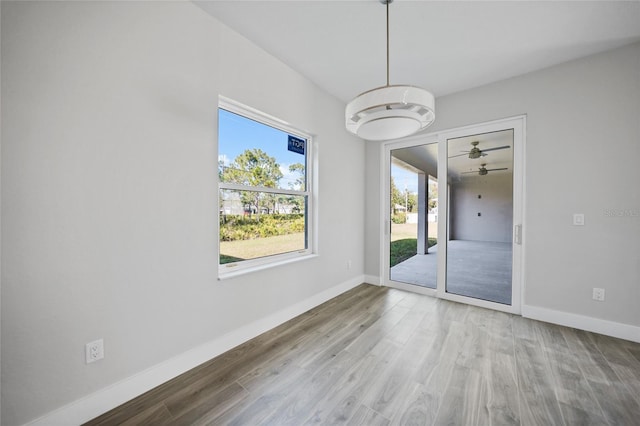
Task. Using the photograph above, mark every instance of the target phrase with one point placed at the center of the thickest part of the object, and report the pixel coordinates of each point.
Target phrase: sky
(237, 133)
(404, 179)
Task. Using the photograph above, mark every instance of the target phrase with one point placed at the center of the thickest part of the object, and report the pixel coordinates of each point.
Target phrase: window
(264, 190)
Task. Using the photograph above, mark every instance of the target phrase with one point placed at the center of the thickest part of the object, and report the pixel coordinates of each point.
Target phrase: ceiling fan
(483, 171)
(477, 152)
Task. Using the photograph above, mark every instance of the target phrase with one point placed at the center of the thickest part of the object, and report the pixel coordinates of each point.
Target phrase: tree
(254, 167)
(299, 182)
(397, 197)
(298, 170)
(412, 201)
(433, 196)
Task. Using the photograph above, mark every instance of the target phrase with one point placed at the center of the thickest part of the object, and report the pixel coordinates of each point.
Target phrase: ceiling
(461, 166)
(442, 46)
(424, 158)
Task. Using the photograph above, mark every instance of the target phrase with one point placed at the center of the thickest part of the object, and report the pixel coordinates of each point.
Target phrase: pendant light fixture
(391, 111)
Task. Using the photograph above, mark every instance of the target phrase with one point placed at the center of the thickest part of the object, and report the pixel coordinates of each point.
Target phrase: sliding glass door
(480, 213)
(413, 201)
(452, 208)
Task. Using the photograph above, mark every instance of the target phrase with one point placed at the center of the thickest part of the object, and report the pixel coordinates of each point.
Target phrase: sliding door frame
(385, 270)
(518, 124)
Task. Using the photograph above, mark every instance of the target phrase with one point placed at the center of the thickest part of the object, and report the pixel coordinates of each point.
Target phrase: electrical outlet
(349, 264)
(598, 294)
(94, 351)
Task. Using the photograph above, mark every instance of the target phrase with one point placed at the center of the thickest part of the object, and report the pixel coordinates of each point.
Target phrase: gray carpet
(477, 269)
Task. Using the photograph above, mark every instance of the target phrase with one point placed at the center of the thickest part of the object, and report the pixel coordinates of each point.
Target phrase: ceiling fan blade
(459, 155)
(491, 170)
(475, 171)
(496, 148)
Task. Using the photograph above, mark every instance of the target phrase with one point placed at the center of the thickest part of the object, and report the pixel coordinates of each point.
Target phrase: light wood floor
(378, 356)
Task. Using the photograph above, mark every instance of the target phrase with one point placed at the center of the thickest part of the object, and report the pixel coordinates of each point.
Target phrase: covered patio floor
(479, 269)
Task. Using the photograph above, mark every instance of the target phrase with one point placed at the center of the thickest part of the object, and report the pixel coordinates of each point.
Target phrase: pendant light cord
(388, 43)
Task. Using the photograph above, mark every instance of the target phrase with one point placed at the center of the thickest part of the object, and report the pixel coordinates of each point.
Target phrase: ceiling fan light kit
(475, 151)
(391, 111)
(483, 171)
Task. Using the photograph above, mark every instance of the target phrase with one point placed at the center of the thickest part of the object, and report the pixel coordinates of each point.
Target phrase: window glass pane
(257, 224)
(254, 154)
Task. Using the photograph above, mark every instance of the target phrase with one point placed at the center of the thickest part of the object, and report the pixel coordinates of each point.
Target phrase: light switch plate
(578, 219)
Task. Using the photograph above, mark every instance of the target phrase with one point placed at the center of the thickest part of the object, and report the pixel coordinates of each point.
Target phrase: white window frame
(228, 270)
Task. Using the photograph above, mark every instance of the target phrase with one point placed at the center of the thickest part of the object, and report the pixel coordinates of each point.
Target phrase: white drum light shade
(390, 112)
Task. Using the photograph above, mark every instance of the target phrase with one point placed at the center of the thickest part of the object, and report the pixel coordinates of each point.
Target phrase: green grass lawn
(402, 247)
(400, 231)
(234, 251)
(229, 259)
(402, 250)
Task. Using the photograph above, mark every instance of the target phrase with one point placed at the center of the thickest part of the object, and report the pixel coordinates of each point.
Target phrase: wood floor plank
(439, 360)
(538, 404)
(405, 328)
(460, 403)
(204, 404)
(327, 325)
(291, 337)
(265, 374)
(523, 331)
(602, 379)
(329, 345)
(376, 355)
(340, 401)
(615, 350)
(295, 409)
(593, 364)
(347, 394)
(365, 416)
(262, 402)
(619, 355)
(377, 331)
(551, 338)
(498, 399)
(144, 405)
(156, 415)
(393, 384)
(340, 330)
(617, 402)
(634, 351)
(420, 408)
(577, 402)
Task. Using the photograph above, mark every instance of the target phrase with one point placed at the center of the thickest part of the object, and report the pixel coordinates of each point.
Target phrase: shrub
(238, 227)
(399, 217)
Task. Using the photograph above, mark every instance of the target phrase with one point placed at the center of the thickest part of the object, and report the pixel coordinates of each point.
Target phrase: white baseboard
(609, 328)
(372, 279)
(93, 405)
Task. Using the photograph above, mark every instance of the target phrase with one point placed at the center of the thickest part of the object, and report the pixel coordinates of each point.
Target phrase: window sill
(256, 268)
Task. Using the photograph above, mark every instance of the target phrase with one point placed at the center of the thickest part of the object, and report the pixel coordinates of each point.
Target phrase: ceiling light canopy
(391, 111)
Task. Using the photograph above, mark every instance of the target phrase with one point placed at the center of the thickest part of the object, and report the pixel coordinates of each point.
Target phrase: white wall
(495, 207)
(582, 152)
(108, 192)
(0, 222)
(372, 220)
